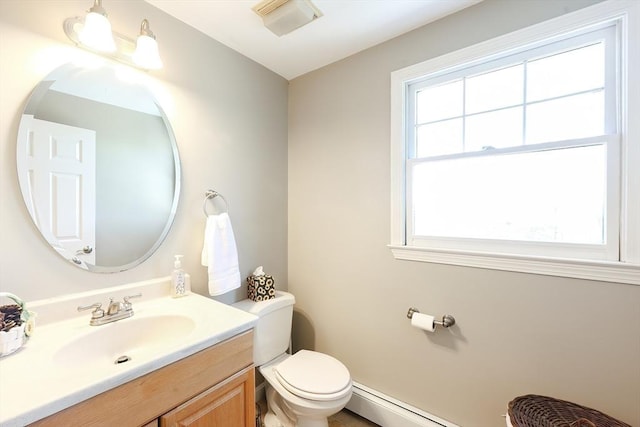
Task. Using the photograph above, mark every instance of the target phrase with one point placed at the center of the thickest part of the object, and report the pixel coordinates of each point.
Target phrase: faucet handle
(97, 312)
(127, 303)
(126, 299)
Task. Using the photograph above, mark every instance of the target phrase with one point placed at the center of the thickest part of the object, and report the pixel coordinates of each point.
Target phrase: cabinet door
(230, 403)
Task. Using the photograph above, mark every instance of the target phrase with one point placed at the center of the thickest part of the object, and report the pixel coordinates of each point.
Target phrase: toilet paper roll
(423, 321)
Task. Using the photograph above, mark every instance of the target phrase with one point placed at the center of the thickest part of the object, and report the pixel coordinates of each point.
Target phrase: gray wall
(516, 333)
(229, 116)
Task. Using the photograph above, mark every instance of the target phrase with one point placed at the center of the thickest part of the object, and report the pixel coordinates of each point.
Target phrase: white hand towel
(219, 253)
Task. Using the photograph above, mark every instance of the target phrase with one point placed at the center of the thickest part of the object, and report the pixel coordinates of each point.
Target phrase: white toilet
(302, 389)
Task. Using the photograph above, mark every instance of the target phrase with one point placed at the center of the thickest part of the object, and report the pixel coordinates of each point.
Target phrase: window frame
(626, 15)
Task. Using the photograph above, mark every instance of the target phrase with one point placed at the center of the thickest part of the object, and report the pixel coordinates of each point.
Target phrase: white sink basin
(125, 340)
(67, 361)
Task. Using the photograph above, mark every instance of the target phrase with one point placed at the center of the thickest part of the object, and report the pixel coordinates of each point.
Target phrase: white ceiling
(346, 27)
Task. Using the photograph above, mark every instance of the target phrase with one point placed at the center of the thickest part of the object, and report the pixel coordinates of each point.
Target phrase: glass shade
(146, 54)
(96, 33)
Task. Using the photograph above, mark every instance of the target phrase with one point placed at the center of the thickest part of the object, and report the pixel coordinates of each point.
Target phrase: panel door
(228, 404)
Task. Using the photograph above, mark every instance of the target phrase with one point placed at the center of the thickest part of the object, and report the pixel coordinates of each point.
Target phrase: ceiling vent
(283, 16)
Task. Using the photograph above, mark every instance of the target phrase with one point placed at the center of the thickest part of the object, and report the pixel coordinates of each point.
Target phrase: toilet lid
(313, 375)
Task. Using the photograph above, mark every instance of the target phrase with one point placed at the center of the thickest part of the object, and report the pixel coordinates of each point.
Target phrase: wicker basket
(541, 411)
(16, 324)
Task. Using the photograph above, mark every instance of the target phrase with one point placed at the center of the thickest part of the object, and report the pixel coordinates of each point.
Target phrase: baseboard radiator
(389, 412)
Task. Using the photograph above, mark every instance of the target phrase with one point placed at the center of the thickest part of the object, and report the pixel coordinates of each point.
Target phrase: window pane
(497, 89)
(439, 138)
(566, 73)
(576, 116)
(439, 102)
(502, 128)
(546, 196)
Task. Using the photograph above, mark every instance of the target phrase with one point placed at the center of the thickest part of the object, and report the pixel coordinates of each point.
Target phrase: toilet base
(280, 415)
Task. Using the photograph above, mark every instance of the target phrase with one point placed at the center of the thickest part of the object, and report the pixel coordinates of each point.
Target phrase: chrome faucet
(117, 310)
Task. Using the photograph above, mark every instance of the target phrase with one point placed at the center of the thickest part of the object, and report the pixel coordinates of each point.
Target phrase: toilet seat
(314, 376)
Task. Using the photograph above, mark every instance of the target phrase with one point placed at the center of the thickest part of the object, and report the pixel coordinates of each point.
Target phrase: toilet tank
(273, 330)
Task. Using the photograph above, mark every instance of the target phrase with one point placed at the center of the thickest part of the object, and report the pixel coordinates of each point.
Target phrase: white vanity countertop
(44, 377)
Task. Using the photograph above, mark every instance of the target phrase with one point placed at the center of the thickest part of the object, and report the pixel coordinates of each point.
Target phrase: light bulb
(96, 33)
(146, 54)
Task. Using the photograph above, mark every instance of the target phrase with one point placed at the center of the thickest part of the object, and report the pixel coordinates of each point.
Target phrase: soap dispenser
(179, 279)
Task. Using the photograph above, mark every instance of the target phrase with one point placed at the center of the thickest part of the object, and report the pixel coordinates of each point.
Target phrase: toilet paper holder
(447, 320)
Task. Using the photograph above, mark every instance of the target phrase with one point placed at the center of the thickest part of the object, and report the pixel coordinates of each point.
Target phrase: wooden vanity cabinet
(214, 387)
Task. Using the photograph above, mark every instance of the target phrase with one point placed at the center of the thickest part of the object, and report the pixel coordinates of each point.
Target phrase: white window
(519, 154)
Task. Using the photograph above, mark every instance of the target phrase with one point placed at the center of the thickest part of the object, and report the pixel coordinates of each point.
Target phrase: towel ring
(210, 194)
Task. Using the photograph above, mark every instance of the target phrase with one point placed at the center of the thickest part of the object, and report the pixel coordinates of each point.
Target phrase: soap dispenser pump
(179, 280)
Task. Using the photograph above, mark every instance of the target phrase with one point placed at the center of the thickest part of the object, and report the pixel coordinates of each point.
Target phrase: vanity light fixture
(93, 32)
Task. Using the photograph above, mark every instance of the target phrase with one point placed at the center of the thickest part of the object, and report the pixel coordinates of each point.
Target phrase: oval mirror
(98, 167)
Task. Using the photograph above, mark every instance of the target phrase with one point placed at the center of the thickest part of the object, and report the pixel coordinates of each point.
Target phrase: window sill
(589, 270)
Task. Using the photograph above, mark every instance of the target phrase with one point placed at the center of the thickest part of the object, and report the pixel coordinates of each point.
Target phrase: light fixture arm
(145, 30)
(97, 8)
